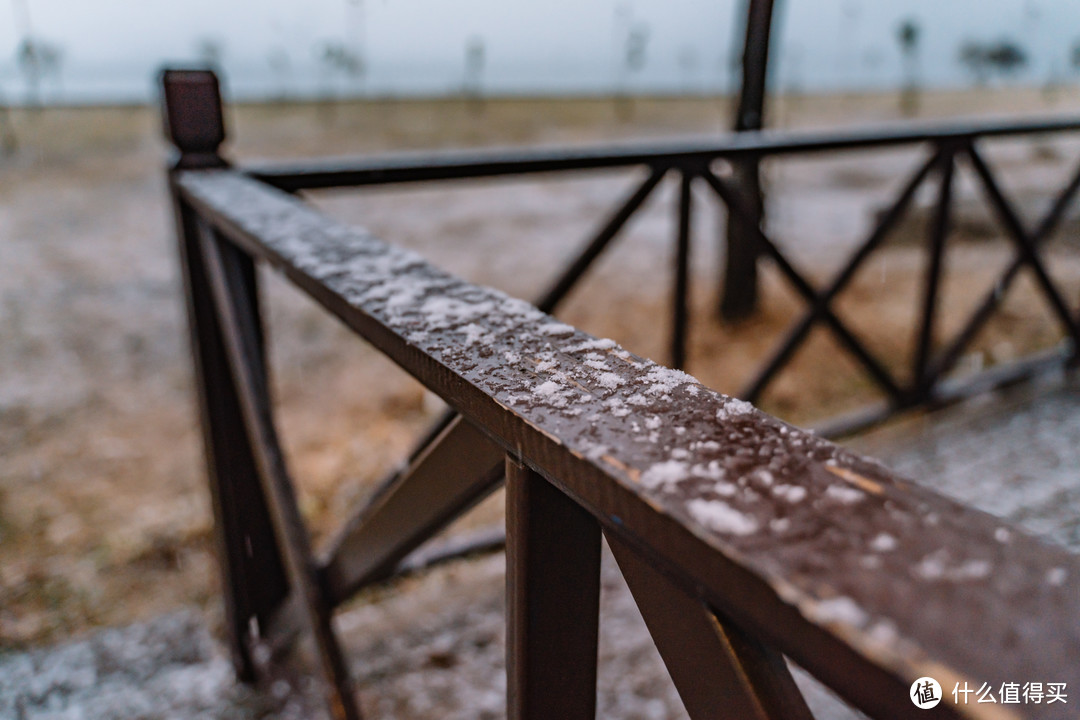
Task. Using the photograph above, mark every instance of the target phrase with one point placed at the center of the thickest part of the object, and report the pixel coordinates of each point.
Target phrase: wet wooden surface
(866, 580)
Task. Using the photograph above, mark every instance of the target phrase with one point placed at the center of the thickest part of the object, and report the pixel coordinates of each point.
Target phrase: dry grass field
(103, 513)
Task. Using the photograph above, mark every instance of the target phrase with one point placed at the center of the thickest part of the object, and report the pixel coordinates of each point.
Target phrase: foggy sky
(530, 45)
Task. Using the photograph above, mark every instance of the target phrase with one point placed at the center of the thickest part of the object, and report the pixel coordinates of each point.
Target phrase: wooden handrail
(865, 579)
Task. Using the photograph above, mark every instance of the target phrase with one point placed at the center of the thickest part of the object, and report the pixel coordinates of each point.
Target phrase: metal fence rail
(743, 539)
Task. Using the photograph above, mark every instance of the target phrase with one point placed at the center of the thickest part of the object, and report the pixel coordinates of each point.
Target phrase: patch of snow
(779, 525)
(556, 329)
(733, 407)
(845, 495)
(720, 517)
(883, 542)
(474, 334)
(663, 474)
(711, 471)
(599, 344)
(840, 610)
(609, 380)
(933, 567)
(663, 380)
(790, 493)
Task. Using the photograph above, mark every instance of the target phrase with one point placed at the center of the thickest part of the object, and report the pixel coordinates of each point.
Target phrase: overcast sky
(111, 47)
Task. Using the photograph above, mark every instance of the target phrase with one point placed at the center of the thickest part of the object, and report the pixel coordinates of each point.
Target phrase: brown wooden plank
(459, 468)
(552, 601)
(224, 263)
(865, 579)
(719, 672)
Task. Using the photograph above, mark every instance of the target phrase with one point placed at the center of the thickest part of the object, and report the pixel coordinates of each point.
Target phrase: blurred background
(57, 51)
(104, 518)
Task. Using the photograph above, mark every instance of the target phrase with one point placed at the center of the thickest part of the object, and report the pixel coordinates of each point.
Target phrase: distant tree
(355, 14)
(633, 61)
(9, 142)
(908, 34)
(1074, 56)
(475, 57)
(1006, 57)
(637, 41)
(337, 58)
(37, 60)
(972, 55)
(847, 40)
(281, 66)
(1003, 57)
(210, 51)
(688, 66)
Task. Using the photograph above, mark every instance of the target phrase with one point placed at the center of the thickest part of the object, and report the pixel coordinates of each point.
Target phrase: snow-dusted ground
(104, 519)
(433, 647)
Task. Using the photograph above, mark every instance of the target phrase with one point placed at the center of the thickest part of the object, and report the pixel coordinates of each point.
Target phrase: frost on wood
(720, 517)
(795, 511)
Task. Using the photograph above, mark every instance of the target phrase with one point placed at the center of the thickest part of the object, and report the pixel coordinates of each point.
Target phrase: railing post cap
(191, 106)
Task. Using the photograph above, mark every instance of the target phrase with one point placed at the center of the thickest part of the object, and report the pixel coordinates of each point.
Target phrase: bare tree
(9, 142)
(633, 61)
(1002, 57)
(210, 51)
(355, 21)
(281, 66)
(336, 58)
(908, 34)
(475, 57)
(37, 60)
(688, 67)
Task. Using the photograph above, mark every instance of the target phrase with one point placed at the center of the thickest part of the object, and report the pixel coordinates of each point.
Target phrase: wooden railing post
(252, 574)
(739, 294)
(552, 596)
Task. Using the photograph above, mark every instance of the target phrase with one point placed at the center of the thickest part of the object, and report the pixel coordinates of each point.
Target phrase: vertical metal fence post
(252, 575)
(552, 596)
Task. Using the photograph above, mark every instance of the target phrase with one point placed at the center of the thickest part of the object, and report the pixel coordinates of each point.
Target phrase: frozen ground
(104, 520)
(433, 647)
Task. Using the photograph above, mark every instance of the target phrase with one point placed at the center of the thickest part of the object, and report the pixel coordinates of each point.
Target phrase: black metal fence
(743, 539)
